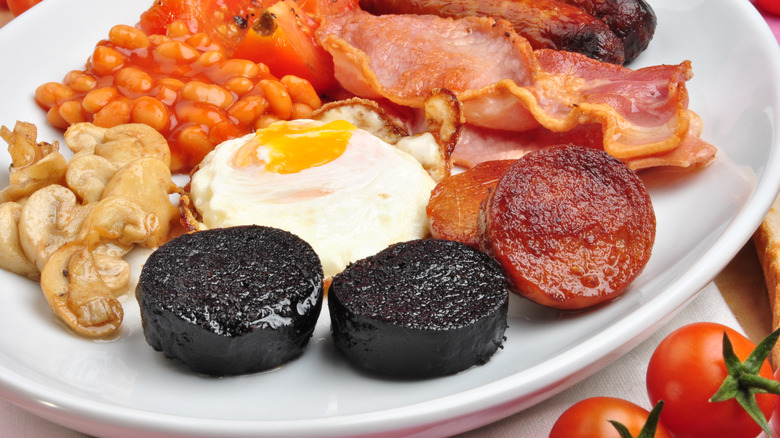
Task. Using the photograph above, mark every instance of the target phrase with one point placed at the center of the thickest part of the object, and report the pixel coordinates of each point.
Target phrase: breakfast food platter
(121, 387)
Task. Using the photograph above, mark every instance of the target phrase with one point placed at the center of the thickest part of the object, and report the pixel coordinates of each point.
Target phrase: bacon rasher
(544, 97)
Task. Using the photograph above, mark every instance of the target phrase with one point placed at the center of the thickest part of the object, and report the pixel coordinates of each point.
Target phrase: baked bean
(167, 95)
(201, 42)
(150, 111)
(263, 72)
(240, 85)
(178, 28)
(302, 91)
(206, 93)
(211, 58)
(265, 121)
(54, 117)
(73, 74)
(223, 131)
(81, 82)
(232, 68)
(168, 91)
(301, 111)
(278, 98)
(107, 60)
(248, 109)
(128, 37)
(113, 114)
(156, 39)
(172, 83)
(72, 113)
(52, 93)
(195, 140)
(175, 51)
(131, 81)
(199, 114)
(96, 99)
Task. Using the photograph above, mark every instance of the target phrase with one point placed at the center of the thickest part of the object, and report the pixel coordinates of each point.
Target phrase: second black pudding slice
(422, 308)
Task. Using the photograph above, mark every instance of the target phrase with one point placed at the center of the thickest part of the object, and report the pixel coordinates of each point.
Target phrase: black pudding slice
(418, 309)
(231, 300)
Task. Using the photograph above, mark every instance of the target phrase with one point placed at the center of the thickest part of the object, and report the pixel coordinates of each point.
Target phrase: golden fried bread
(767, 242)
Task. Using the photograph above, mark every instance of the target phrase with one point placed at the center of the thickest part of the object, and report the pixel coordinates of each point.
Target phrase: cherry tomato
(774, 422)
(18, 6)
(221, 19)
(590, 418)
(282, 37)
(687, 368)
(319, 8)
(770, 6)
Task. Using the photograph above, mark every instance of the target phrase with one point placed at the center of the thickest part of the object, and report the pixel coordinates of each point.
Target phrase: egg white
(371, 196)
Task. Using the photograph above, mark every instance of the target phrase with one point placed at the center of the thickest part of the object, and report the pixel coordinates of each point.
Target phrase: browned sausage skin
(455, 201)
(633, 21)
(571, 226)
(544, 23)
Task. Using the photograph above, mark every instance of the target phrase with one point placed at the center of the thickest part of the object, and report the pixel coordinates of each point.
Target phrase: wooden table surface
(741, 282)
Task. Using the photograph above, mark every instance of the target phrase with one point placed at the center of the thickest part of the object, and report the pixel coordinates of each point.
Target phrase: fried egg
(346, 192)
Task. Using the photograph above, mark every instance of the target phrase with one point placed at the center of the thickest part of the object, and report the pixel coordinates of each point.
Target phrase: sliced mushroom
(12, 256)
(119, 144)
(33, 165)
(76, 293)
(87, 176)
(84, 137)
(50, 218)
(147, 181)
(114, 271)
(116, 223)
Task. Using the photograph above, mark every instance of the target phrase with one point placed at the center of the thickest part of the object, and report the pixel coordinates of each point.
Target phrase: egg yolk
(292, 148)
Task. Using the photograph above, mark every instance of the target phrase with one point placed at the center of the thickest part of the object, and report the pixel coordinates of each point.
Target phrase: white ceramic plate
(122, 387)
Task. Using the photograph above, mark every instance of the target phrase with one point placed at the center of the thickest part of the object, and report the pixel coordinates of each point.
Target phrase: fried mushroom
(33, 165)
(114, 271)
(12, 256)
(50, 218)
(147, 181)
(87, 176)
(116, 223)
(120, 144)
(77, 294)
(75, 221)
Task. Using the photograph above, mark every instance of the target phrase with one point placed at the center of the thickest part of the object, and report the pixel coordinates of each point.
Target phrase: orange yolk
(293, 148)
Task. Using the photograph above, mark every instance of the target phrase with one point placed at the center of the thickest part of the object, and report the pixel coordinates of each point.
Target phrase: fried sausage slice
(453, 209)
(571, 226)
(549, 24)
(633, 21)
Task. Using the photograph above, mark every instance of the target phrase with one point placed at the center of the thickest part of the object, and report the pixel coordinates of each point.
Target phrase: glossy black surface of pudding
(231, 300)
(420, 309)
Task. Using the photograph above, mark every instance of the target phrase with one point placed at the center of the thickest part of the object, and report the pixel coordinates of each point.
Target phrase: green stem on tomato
(743, 381)
(761, 384)
(648, 430)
